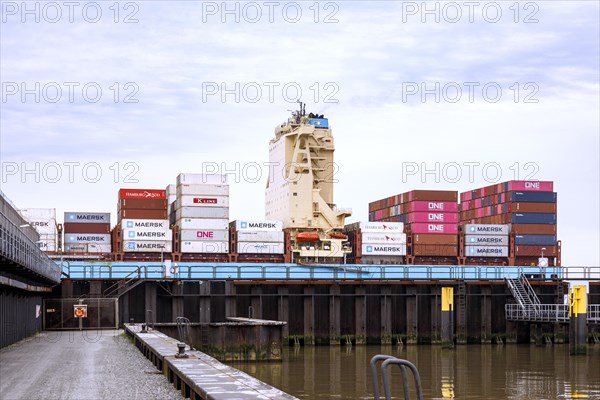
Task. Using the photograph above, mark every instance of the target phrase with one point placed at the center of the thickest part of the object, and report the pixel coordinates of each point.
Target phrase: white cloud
(368, 55)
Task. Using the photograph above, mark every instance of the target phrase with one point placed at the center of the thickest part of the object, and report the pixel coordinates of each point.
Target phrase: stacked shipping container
(87, 232)
(528, 206)
(486, 240)
(202, 213)
(143, 224)
(257, 237)
(44, 222)
(377, 242)
(431, 218)
(171, 192)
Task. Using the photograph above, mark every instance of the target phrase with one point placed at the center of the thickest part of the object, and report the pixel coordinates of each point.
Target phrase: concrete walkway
(80, 365)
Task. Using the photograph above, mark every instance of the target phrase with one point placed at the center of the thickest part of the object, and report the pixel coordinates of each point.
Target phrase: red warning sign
(80, 311)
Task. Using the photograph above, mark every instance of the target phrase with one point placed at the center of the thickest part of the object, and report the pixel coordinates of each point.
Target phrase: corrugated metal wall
(18, 315)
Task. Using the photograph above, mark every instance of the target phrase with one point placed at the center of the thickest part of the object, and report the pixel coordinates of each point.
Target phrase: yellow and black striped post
(578, 320)
(448, 317)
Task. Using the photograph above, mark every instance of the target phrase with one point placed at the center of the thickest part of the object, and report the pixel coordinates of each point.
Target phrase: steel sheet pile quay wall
(257, 237)
(202, 213)
(486, 240)
(43, 220)
(431, 218)
(142, 225)
(529, 207)
(377, 242)
(86, 232)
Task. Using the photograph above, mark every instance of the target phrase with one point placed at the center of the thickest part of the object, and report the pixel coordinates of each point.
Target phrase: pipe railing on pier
(249, 271)
(404, 366)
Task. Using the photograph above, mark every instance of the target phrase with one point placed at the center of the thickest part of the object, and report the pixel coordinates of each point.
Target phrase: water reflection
(467, 372)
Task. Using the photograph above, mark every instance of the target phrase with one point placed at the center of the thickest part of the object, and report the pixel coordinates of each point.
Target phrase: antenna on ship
(297, 115)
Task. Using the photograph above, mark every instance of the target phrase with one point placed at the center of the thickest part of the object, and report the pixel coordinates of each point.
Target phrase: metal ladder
(462, 309)
(204, 340)
(404, 365)
(595, 338)
(348, 341)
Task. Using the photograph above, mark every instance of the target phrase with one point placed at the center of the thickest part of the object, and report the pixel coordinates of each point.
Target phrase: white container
(38, 213)
(380, 259)
(205, 247)
(147, 225)
(376, 227)
(146, 246)
(486, 251)
(200, 179)
(202, 201)
(202, 223)
(259, 248)
(242, 225)
(47, 244)
(260, 236)
(202, 212)
(87, 218)
(135, 234)
(44, 227)
(42, 219)
(210, 235)
(486, 229)
(171, 200)
(384, 249)
(486, 240)
(87, 248)
(87, 238)
(376, 238)
(214, 190)
(171, 190)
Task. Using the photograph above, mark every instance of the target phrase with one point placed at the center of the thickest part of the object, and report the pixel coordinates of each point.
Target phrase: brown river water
(466, 372)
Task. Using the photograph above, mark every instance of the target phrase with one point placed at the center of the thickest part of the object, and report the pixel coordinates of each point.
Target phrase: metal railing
(124, 285)
(594, 313)
(404, 365)
(20, 248)
(184, 331)
(537, 313)
(240, 271)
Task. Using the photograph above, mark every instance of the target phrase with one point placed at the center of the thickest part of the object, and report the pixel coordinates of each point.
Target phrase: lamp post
(543, 248)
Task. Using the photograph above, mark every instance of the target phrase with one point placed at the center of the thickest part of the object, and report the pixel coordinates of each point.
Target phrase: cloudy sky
(437, 95)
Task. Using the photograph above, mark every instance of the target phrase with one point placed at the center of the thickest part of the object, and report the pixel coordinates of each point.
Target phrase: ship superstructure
(300, 188)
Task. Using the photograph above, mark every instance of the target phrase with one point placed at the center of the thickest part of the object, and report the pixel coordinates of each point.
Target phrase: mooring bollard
(181, 351)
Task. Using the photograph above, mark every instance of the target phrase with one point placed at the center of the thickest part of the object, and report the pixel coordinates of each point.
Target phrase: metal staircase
(524, 294)
(124, 285)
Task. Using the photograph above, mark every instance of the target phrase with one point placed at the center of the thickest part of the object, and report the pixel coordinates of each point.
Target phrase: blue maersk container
(318, 122)
(533, 218)
(535, 240)
(532, 197)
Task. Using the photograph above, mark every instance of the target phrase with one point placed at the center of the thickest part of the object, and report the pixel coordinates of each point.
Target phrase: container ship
(505, 224)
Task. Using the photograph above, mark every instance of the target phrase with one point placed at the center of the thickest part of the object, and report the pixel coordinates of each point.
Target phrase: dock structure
(331, 304)
(197, 375)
